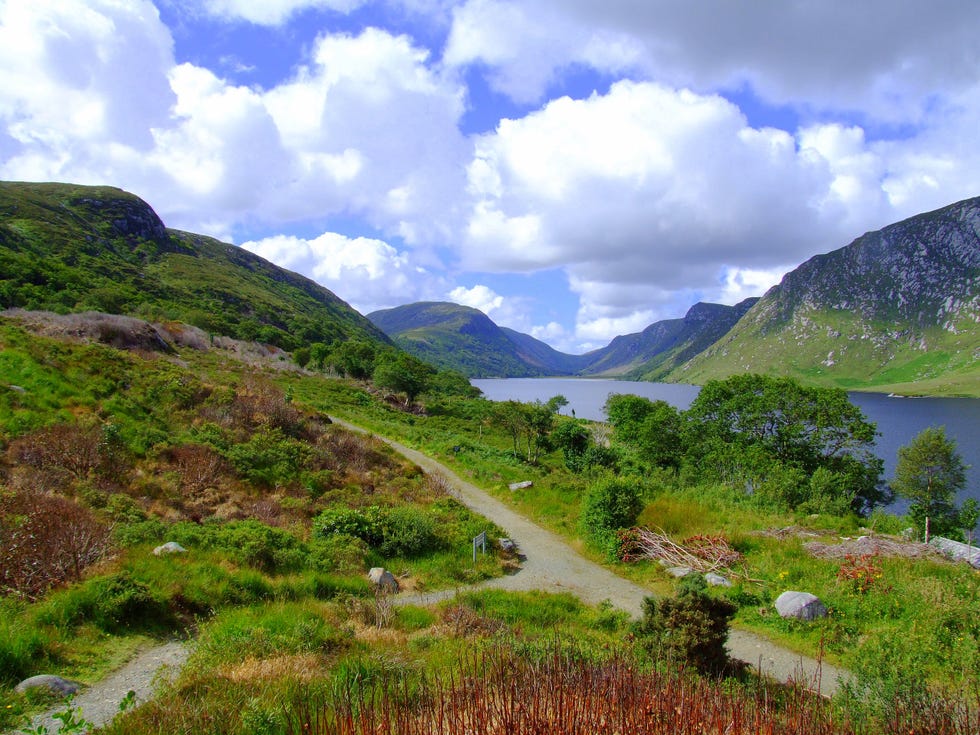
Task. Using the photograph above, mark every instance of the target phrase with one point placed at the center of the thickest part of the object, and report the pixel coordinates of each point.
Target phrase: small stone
(520, 485)
(171, 547)
(716, 580)
(679, 572)
(55, 684)
(800, 605)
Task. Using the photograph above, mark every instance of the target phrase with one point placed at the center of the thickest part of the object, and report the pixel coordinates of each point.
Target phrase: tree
(929, 473)
(355, 358)
(403, 373)
(652, 428)
(781, 425)
(529, 424)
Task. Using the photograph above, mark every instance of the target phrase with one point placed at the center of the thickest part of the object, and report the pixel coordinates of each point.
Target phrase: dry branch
(699, 553)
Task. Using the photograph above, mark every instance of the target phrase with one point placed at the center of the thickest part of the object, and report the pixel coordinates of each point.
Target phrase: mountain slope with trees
(897, 309)
(68, 248)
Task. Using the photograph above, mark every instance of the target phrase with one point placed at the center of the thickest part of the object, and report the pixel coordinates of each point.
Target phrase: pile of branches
(870, 546)
(700, 553)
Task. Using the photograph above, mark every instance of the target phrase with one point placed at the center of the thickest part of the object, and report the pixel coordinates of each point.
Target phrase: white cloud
(367, 273)
(645, 194)
(886, 58)
(479, 297)
(526, 44)
(273, 12)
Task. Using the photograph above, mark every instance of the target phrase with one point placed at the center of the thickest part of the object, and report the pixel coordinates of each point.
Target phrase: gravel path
(142, 674)
(551, 564)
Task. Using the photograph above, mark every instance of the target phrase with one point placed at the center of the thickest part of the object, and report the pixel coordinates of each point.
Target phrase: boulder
(171, 547)
(507, 545)
(716, 580)
(800, 605)
(521, 485)
(383, 579)
(54, 684)
(679, 572)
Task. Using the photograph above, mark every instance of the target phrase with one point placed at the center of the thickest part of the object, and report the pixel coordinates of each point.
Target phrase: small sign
(480, 541)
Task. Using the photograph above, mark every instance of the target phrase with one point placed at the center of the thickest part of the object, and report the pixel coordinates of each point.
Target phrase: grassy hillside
(897, 310)
(456, 337)
(75, 248)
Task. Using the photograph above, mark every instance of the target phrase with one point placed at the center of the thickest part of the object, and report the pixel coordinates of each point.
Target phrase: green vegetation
(67, 248)
(930, 473)
(227, 449)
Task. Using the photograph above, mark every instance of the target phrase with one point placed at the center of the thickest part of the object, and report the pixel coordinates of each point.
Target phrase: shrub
(610, 504)
(269, 457)
(366, 524)
(407, 532)
(46, 540)
(339, 553)
(691, 628)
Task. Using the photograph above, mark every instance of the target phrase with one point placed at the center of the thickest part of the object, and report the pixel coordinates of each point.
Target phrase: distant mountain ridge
(465, 339)
(66, 248)
(898, 309)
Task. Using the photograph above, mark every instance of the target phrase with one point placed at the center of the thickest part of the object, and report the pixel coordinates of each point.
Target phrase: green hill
(465, 339)
(896, 310)
(68, 248)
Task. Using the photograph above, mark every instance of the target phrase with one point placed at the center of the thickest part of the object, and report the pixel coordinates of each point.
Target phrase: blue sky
(577, 170)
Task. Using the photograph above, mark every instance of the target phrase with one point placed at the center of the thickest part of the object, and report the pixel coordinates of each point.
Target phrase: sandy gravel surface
(551, 564)
(142, 674)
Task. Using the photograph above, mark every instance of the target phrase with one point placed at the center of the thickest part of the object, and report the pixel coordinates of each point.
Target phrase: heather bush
(690, 628)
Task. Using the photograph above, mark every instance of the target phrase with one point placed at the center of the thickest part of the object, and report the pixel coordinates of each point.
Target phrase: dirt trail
(551, 564)
(143, 673)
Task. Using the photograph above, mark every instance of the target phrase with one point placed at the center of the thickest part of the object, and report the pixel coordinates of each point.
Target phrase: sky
(574, 169)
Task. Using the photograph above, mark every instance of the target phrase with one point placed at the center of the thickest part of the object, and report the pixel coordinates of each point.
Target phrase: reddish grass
(561, 694)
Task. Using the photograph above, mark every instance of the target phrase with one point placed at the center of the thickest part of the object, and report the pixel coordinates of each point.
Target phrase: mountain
(897, 309)
(465, 339)
(68, 248)
(652, 353)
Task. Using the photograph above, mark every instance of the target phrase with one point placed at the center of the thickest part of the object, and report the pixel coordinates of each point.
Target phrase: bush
(45, 541)
(270, 457)
(691, 628)
(366, 524)
(610, 504)
(409, 532)
(339, 553)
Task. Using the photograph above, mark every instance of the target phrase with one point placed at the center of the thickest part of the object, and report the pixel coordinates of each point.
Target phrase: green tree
(529, 425)
(355, 358)
(402, 373)
(779, 426)
(929, 473)
(652, 428)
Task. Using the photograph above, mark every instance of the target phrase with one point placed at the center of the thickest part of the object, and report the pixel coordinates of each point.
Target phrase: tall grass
(498, 692)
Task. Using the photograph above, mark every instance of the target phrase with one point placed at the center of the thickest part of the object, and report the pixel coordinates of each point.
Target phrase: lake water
(898, 419)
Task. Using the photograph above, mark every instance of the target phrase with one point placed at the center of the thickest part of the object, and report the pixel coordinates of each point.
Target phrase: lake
(898, 419)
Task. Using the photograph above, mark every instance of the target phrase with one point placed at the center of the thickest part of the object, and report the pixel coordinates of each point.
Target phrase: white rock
(800, 605)
(716, 580)
(171, 547)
